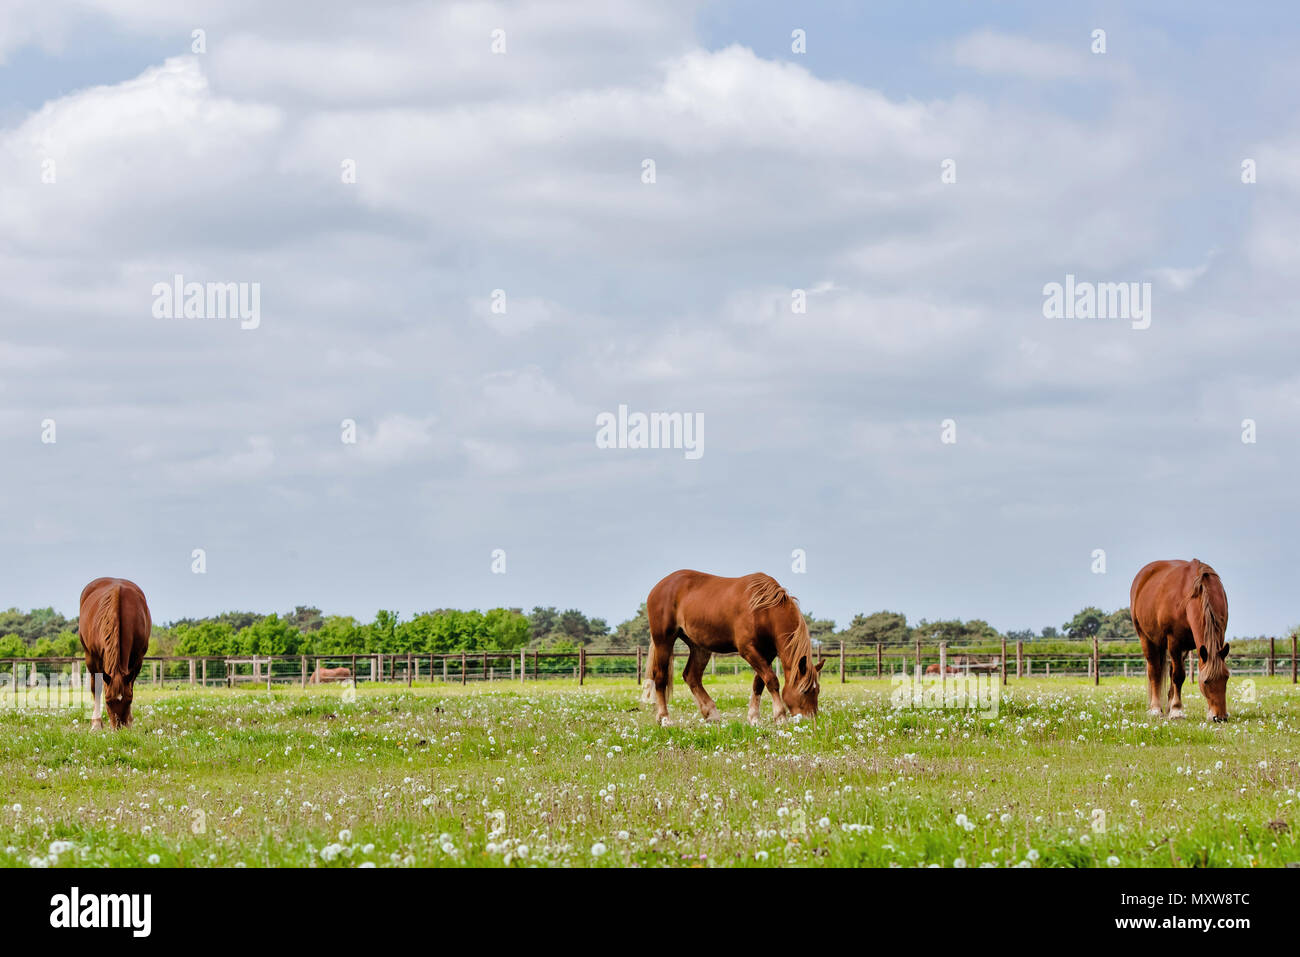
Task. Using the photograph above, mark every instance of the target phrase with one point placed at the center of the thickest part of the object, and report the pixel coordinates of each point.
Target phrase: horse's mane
(1215, 666)
(766, 592)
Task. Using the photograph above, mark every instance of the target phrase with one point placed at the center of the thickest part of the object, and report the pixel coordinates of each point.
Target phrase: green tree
(542, 622)
(270, 636)
(886, 627)
(1118, 625)
(633, 633)
(1085, 624)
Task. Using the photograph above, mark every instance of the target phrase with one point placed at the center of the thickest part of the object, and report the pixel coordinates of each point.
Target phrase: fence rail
(878, 661)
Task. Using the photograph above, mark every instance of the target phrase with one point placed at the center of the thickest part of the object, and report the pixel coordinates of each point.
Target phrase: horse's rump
(114, 627)
(1167, 599)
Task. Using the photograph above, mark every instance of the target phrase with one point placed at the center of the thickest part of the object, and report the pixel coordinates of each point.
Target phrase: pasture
(554, 774)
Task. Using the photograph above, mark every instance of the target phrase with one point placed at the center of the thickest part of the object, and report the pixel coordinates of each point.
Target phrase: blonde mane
(765, 592)
(1215, 667)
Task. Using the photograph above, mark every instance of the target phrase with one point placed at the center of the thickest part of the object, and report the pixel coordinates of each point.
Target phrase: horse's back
(1162, 589)
(688, 593)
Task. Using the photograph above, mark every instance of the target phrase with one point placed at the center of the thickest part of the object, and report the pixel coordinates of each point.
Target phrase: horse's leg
(754, 699)
(661, 663)
(763, 669)
(694, 675)
(97, 710)
(1176, 691)
(1154, 652)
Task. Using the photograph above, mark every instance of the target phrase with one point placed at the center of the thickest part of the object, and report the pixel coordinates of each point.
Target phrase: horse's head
(117, 699)
(801, 691)
(1214, 681)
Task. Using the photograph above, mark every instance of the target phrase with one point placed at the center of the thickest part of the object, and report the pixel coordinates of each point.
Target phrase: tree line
(44, 633)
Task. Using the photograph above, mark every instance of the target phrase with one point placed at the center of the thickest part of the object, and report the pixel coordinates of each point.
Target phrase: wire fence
(873, 661)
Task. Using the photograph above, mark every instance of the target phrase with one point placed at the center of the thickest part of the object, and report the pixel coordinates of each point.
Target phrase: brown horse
(1179, 606)
(114, 627)
(955, 667)
(752, 615)
(324, 675)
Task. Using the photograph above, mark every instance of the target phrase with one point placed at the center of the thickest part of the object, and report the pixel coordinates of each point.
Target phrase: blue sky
(522, 171)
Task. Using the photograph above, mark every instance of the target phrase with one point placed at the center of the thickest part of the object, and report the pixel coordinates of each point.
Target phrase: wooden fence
(875, 661)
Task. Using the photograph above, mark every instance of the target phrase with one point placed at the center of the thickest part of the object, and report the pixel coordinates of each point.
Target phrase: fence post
(1272, 656)
(408, 669)
(1020, 658)
(713, 664)
(582, 663)
(462, 667)
(841, 661)
(1002, 662)
(638, 665)
(536, 660)
(918, 654)
(1293, 669)
(1096, 662)
(304, 671)
(230, 675)
(444, 667)
(523, 666)
(204, 667)
(879, 662)
(943, 663)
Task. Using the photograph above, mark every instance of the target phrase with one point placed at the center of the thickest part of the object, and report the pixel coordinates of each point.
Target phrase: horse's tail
(657, 673)
(108, 620)
(1212, 629)
(1163, 675)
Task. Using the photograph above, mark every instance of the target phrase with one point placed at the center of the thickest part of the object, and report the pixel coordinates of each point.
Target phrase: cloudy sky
(127, 158)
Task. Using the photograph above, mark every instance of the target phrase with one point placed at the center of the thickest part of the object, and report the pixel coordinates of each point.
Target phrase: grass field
(552, 774)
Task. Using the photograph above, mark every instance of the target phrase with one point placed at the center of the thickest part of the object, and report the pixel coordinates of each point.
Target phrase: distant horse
(956, 666)
(324, 675)
(752, 615)
(1178, 607)
(114, 628)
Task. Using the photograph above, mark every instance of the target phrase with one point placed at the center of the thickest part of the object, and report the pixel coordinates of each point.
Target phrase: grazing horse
(752, 615)
(955, 667)
(114, 627)
(323, 675)
(1178, 607)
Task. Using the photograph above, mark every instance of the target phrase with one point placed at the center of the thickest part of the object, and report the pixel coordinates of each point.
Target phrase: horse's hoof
(1176, 713)
(753, 720)
(665, 722)
(713, 717)
(1155, 712)
(96, 724)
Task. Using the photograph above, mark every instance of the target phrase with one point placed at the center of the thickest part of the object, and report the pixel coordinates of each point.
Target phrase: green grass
(543, 774)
